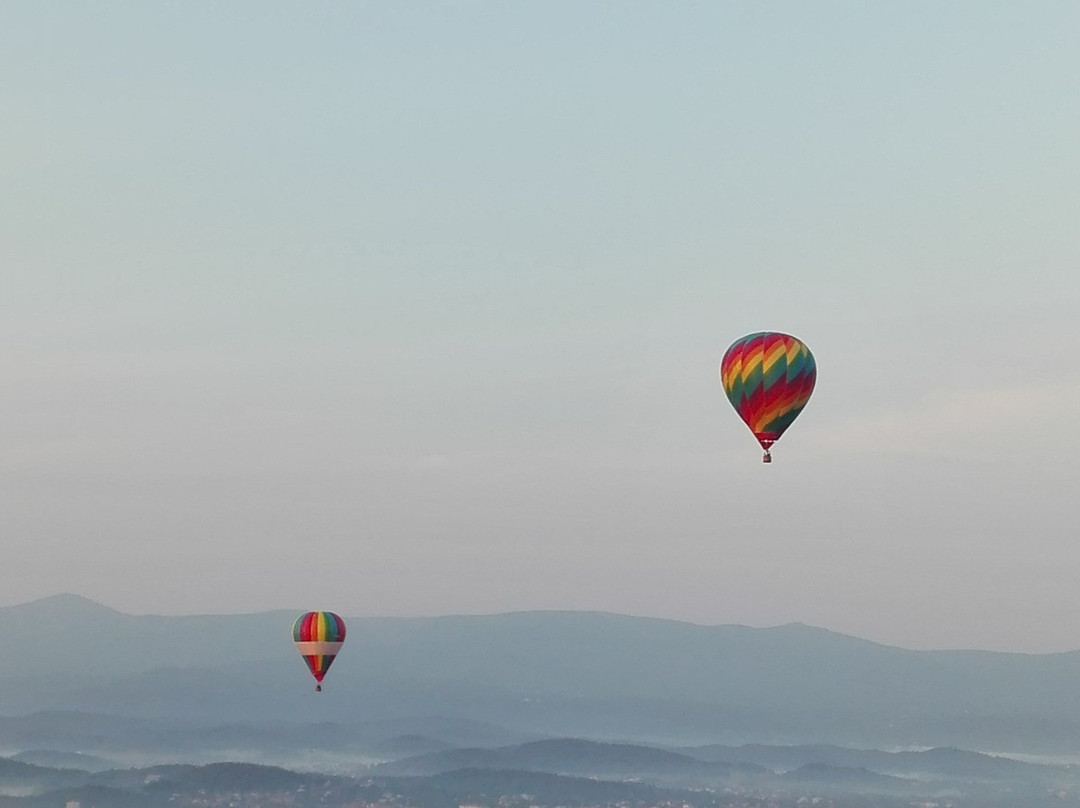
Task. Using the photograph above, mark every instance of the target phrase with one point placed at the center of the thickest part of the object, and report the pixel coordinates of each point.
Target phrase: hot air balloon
(768, 378)
(318, 637)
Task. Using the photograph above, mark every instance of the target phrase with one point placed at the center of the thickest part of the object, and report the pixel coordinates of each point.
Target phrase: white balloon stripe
(318, 648)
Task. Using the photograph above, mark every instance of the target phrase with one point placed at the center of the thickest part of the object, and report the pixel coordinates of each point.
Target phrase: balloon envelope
(318, 637)
(768, 378)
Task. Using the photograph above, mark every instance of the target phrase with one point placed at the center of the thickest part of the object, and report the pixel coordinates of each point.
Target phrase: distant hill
(96, 742)
(17, 776)
(559, 674)
(243, 784)
(403, 746)
(635, 776)
(941, 762)
(478, 786)
(574, 757)
(162, 786)
(54, 759)
(846, 778)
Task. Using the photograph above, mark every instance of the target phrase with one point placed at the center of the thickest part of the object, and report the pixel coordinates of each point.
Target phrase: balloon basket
(767, 457)
(318, 688)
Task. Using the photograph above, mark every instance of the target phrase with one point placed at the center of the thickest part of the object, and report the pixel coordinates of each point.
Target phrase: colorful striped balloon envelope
(318, 637)
(768, 378)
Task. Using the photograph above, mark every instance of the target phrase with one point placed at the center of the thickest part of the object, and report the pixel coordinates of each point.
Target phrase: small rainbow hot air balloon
(768, 378)
(318, 637)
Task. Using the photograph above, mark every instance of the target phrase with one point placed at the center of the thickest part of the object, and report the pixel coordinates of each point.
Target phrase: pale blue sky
(416, 308)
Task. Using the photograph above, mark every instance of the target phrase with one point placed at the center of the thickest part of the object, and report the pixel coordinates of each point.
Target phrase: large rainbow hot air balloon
(318, 637)
(768, 378)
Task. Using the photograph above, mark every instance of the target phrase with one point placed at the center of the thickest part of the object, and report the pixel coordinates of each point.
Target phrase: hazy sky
(410, 308)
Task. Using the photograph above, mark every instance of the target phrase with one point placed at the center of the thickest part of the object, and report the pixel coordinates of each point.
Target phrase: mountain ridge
(68, 603)
(552, 673)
